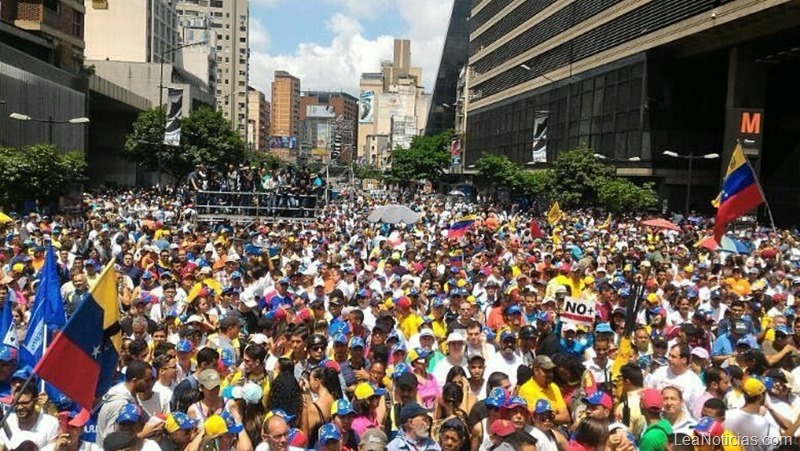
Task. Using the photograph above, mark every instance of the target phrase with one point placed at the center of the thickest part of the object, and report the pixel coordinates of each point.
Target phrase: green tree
(623, 196)
(264, 159)
(575, 175)
(206, 138)
(366, 172)
(425, 159)
(530, 183)
(497, 170)
(39, 172)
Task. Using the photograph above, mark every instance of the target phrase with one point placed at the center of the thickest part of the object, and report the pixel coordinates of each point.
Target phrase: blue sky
(328, 43)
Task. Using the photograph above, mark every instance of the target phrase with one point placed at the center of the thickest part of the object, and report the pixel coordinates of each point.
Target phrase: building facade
(285, 112)
(258, 110)
(393, 108)
(224, 25)
(632, 79)
(329, 124)
(140, 31)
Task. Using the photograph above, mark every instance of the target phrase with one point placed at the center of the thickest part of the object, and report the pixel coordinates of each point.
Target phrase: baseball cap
(783, 330)
(208, 378)
(651, 400)
(497, 398)
(281, 413)
(329, 433)
(215, 426)
(543, 406)
(341, 407)
(701, 353)
(545, 317)
(516, 401)
(599, 398)
(8, 353)
(708, 426)
(455, 336)
(357, 342)
(130, 413)
(340, 339)
(506, 334)
(230, 423)
(179, 420)
(252, 393)
(753, 386)
(364, 391)
(501, 428)
(603, 328)
(426, 333)
(513, 310)
(411, 410)
(543, 362)
(373, 440)
(567, 327)
(418, 353)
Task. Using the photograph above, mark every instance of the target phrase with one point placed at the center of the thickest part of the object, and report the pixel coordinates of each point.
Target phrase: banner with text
(578, 311)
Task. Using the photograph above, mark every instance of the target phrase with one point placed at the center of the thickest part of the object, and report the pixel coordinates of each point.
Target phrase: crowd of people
(342, 334)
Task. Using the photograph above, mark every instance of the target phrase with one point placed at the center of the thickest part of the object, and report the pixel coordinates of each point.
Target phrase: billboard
(283, 142)
(323, 136)
(366, 107)
(172, 130)
(539, 151)
(324, 111)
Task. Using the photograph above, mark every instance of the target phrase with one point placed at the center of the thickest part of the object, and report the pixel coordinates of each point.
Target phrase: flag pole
(14, 403)
(761, 190)
(44, 349)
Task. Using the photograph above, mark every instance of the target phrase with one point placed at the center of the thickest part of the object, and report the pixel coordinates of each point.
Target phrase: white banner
(325, 111)
(578, 311)
(539, 154)
(172, 131)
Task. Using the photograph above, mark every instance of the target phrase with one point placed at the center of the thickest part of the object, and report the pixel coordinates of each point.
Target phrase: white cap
(194, 319)
(259, 339)
(426, 333)
(455, 336)
(248, 299)
(205, 270)
(569, 326)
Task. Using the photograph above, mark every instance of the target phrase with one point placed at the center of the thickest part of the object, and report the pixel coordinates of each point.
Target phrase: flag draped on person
(82, 359)
(8, 330)
(48, 312)
(554, 214)
(740, 192)
(459, 228)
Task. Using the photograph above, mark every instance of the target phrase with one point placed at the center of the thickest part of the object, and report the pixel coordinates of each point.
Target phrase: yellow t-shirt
(531, 392)
(410, 325)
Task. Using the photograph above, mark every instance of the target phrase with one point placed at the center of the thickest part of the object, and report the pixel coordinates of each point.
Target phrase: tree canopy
(206, 138)
(425, 159)
(39, 172)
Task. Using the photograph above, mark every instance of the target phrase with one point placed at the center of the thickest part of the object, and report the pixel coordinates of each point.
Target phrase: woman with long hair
(285, 392)
(366, 406)
(458, 376)
(448, 408)
(428, 388)
(319, 393)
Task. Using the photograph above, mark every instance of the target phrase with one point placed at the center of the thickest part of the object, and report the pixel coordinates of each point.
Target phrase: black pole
(50, 130)
(689, 184)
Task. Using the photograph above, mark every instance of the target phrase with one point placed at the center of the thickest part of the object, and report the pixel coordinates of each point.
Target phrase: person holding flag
(740, 193)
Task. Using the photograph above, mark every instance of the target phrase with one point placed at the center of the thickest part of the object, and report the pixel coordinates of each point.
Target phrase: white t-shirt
(499, 363)
(755, 428)
(444, 366)
(164, 393)
(45, 430)
(689, 383)
(545, 441)
(155, 404)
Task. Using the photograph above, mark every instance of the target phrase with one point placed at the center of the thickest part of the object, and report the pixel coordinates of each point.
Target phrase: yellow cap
(688, 268)
(461, 283)
(215, 426)
(18, 267)
(753, 387)
(364, 391)
(652, 297)
(588, 280)
(471, 299)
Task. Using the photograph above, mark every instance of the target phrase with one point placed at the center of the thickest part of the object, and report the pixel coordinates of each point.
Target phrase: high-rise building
(225, 24)
(646, 85)
(329, 124)
(285, 111)
(137, 31)
(393, 108)
(258, 110)
(445, 103)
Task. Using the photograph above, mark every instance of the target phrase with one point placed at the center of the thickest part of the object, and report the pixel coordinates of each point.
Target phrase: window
(53, 5)
(216, 3)
(77, 23)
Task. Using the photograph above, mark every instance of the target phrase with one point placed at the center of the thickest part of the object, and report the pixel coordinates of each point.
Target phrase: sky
(329, 43)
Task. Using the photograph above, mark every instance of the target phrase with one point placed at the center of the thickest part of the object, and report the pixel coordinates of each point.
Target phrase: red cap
(332, 365)
(651, 400)
(404, 302)
(501, 428)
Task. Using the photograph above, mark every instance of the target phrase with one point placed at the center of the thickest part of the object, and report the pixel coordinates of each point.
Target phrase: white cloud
(338, 64)
(259, 36)
(363, 8)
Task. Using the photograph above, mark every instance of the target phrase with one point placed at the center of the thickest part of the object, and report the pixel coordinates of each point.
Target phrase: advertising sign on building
(283, 142)
(366, 107)
(322, 111)
(172, 130)
(539, 154)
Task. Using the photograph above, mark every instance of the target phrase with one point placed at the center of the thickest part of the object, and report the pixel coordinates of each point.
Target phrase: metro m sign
(750, 123)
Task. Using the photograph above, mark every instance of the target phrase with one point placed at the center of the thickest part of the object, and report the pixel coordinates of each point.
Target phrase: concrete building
(393, 108)
(224, 24)
(329, 124)
(258, 110)
(285, 112)
(139, 31)
(41, 77)
(633, 79)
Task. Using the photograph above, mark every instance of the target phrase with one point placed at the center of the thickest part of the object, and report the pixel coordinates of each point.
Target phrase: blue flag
(48, 308)
(8, 331)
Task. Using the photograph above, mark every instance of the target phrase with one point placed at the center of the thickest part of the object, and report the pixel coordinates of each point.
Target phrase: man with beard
(548, 344)
(36, 426)
(415, 430)
(507, 359)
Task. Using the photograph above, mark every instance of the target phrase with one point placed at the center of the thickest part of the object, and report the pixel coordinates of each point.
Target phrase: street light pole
(691, 157)
(50, 122)
(50, 130)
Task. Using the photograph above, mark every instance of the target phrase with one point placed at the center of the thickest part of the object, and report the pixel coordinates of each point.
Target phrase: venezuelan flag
(459, 228)
(82, 359)
(457, 259)
(740, 192)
